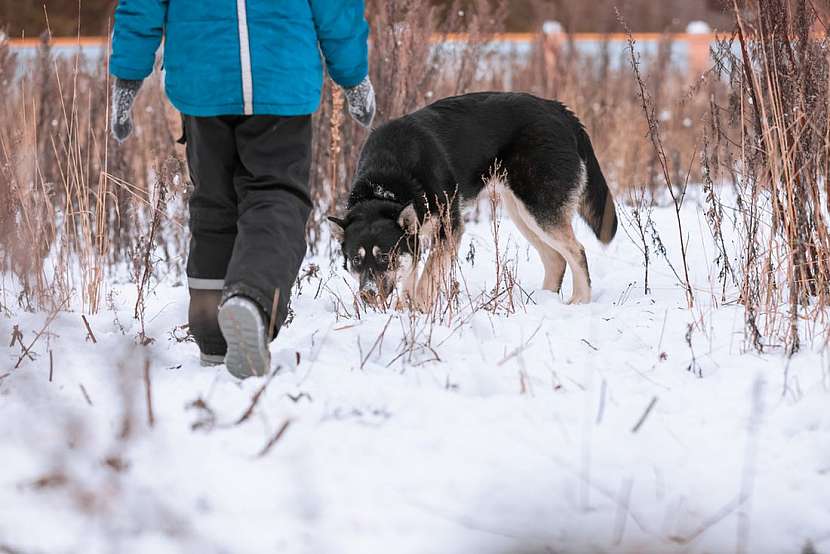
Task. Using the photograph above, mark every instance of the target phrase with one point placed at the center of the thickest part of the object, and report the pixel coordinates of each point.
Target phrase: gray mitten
(123, 97)
(361, 99)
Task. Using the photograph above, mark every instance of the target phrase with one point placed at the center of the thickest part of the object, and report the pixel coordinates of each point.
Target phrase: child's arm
(343, 35)
(139, 27)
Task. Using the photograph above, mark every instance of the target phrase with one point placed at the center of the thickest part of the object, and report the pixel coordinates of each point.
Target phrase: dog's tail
(597, 204)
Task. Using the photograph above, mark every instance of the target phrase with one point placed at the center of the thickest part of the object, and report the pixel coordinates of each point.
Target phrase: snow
(520, 439)
(698, 28)
(552, 27)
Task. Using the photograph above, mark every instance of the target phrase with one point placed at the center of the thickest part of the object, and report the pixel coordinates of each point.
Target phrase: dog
(420, 169)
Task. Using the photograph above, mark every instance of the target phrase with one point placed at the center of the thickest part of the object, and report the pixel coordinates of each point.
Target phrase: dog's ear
(408, 219)
(338, 227)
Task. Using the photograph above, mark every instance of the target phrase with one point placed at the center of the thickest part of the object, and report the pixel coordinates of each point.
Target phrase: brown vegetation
(92, 17)
(76, 208)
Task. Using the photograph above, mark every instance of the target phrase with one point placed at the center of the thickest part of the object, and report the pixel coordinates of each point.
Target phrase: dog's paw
(402, 304)
(580, 298)
(421, 305)
(412, 303)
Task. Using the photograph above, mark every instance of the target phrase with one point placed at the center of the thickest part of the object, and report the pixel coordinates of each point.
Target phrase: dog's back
(455, 142)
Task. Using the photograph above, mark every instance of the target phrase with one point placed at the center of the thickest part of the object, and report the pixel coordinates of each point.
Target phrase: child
(246, 78)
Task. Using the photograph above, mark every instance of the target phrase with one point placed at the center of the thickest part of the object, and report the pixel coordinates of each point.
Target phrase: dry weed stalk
(648, 105)
(502, 293)
(143, 257)
(776, 127)
(641, 208)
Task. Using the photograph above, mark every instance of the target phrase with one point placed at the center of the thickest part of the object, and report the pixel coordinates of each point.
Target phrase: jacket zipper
(245, 58)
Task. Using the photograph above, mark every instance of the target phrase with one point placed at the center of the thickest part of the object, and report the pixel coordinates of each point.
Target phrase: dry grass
(76, 209)
(771, 140)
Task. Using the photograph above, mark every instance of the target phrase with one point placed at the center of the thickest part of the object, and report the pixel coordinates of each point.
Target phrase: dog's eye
(356, 261)
(382, 258)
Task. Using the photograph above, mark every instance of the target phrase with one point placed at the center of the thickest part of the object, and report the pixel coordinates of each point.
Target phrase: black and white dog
(433, 160)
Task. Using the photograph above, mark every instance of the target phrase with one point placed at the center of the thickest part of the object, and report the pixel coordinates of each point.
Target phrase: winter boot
(204, 327)
(243, 326)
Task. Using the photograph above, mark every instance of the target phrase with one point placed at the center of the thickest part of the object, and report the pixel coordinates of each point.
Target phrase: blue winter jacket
(230, 57)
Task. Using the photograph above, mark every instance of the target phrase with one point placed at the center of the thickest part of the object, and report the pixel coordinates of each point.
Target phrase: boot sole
(244, 331)
(210, 360)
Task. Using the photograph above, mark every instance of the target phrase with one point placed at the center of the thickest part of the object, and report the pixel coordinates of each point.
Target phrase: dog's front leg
(408, 288)
(424, 235)
(436, 272)
(427, 287)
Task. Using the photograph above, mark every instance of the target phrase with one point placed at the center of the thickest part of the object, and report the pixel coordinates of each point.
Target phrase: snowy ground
(527, 436)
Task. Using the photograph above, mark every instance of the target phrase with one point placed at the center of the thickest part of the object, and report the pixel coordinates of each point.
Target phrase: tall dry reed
(771, 139)
(76, 205)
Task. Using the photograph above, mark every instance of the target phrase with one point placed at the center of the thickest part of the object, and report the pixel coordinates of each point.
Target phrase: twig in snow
(376, 343)
(602, 392)
(647, 378)
(275, 439)
(748, 474)
(519, 349)
(86, 395)
(624, 295)
(297, 397)
(721, 514)
(17, 336)
(693, 366)
(523, 381)
(46, 325)
(645, 415)
(528, 295)
(622, 510)
(255, 398)
(149, 393)
(206, 416)
(89, 334)
(660, 353)
(51, 365)
(594, 348)
(428, 360)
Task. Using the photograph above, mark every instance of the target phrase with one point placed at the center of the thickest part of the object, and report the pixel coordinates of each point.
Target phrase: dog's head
(377, 241)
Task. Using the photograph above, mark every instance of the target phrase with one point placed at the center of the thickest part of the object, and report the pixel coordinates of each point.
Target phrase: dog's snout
(368, 288)
(374, 286)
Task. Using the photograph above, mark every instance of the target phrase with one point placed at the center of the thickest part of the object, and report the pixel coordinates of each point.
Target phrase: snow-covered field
(518, 433)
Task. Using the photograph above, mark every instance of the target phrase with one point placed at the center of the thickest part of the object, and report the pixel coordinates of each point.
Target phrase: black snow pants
(248, 210)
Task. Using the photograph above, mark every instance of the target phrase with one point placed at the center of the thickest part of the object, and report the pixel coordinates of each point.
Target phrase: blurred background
(26, 17)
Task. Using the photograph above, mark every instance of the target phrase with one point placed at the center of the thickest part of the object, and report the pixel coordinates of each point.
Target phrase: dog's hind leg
(552, 260)
(554, 270)
(561, 237)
